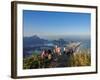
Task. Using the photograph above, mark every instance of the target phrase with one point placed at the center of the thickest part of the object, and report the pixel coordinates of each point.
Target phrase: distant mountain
(34, 40)
(59, 42)
(37, 41)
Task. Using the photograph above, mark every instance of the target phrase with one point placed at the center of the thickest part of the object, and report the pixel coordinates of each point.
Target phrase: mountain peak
(35, 37)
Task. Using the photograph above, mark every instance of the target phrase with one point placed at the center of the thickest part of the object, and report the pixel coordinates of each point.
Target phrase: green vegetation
(82, 58)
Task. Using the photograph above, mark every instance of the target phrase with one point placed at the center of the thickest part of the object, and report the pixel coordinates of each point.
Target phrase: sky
(47, 23)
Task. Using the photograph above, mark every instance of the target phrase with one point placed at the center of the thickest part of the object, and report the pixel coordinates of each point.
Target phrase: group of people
(50, 53)
(56, 57)
(52, 56)
(56, 51)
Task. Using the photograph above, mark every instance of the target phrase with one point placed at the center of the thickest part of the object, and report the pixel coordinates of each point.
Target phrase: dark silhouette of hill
(59, 42)
(34, 40)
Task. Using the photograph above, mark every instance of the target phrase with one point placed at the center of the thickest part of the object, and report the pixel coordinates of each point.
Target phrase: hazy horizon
(55, 37)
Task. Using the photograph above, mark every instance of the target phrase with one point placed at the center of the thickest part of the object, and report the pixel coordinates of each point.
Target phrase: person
(42, 54)
(49, 54)
(57, 50)
(46, 56)
(55, 56)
